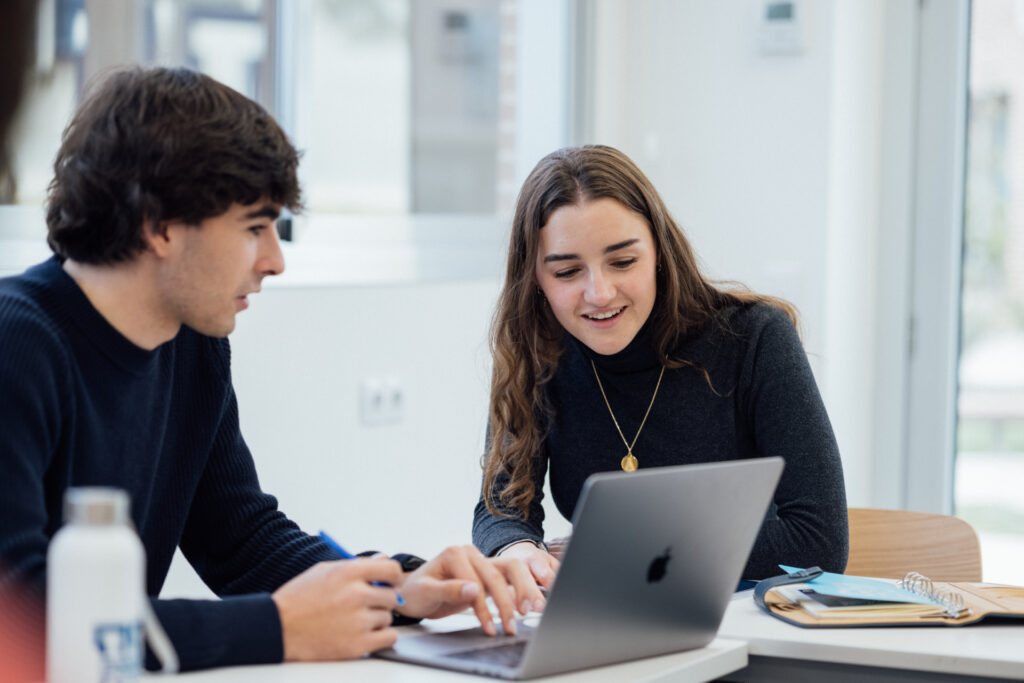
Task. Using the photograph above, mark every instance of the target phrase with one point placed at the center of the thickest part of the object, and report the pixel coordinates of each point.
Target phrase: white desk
(720, 657)
(781, 652)
(752, 647)
(717, 659)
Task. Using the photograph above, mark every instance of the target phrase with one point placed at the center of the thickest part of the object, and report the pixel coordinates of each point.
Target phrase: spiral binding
(918, 584)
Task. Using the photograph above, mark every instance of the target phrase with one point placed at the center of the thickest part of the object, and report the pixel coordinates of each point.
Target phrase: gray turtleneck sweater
(764, 402)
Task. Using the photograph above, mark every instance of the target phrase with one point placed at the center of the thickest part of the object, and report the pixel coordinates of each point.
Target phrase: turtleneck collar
(639, 354)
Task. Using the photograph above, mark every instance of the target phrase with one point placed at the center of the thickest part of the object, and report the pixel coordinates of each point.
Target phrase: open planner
(813, 598)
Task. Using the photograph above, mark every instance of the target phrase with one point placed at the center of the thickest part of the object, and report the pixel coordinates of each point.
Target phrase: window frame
(936, 254)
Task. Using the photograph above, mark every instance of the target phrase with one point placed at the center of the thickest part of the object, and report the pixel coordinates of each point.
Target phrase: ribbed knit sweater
(762, 400)
(80, 405)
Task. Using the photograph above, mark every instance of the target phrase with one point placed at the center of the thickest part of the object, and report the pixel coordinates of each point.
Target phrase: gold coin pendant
(629, 463)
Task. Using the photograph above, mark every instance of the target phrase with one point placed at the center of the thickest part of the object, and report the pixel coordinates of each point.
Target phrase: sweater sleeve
(493, 532)
(243, 547)
(232, 631)
(807, 523)
(30, 394)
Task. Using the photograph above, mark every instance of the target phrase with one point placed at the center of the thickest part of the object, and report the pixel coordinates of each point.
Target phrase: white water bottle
(95, 591)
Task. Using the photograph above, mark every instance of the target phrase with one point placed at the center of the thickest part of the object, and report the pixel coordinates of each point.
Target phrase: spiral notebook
(835, 600)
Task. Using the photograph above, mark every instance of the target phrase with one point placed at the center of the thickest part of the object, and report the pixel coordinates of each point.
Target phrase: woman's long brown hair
(526, 339)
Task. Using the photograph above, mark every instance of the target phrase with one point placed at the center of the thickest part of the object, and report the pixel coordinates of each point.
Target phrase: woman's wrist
(535, 544)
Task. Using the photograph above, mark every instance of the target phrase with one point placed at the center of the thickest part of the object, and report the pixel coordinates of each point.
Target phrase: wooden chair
(890, 543)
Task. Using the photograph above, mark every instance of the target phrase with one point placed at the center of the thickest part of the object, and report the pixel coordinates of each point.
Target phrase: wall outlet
(381, 400)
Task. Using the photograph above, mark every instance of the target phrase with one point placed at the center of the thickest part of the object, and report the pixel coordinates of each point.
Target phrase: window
(231, 40)
(990, 425)
(396, 104)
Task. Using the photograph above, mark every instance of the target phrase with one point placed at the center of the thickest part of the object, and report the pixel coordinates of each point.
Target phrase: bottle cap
(95, 505)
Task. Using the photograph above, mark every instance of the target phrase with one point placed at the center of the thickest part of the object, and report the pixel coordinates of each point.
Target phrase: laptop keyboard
(500, 655)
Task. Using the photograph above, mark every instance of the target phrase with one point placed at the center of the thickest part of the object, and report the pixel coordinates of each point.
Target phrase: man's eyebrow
(266, 211)
(609, 249)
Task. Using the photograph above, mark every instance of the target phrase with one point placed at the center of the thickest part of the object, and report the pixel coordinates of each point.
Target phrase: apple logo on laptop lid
(659, 565)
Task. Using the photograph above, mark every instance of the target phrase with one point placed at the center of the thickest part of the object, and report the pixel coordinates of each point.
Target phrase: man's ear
(159, 237)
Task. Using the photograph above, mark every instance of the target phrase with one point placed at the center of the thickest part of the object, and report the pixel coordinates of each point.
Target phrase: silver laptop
(654, 558)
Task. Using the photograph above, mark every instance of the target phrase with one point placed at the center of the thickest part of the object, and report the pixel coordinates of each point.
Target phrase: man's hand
(542, 565)
(461, 577)
(331, 611)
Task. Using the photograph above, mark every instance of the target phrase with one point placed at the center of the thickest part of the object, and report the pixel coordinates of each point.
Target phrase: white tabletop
(986, 649)
(719, 658)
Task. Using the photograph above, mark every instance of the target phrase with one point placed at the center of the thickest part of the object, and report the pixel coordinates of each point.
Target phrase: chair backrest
(890, 543)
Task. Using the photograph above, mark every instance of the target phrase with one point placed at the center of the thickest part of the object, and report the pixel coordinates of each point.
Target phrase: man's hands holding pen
(332, 610)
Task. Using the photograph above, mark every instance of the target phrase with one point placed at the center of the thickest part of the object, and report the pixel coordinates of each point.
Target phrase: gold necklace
(629, 461)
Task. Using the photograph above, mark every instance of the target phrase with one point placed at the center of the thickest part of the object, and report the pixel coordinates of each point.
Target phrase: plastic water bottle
(95, 591)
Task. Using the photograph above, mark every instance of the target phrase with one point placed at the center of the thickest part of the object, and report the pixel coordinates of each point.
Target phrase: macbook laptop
(652, 563)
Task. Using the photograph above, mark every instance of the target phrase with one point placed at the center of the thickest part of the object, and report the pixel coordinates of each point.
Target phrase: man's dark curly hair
(157, 144)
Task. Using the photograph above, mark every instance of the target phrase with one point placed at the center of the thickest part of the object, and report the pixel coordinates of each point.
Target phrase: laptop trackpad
(442, 644)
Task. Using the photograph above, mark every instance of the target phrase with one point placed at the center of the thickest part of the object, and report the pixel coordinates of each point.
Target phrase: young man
(115, 372)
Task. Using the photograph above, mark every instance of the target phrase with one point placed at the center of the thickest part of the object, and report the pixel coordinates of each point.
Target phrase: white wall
(772, 164)
(298, 356)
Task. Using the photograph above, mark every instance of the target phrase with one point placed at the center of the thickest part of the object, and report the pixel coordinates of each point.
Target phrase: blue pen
(336, 547)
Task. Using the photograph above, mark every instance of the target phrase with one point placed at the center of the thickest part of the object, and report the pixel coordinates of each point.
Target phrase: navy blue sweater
(80, 405)
(764, 402)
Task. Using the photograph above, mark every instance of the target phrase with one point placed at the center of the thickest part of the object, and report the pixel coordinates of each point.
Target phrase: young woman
(612, 351)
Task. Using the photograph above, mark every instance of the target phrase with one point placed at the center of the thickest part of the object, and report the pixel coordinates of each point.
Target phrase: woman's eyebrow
(620, 245)
(609, 249)
(560, 257)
